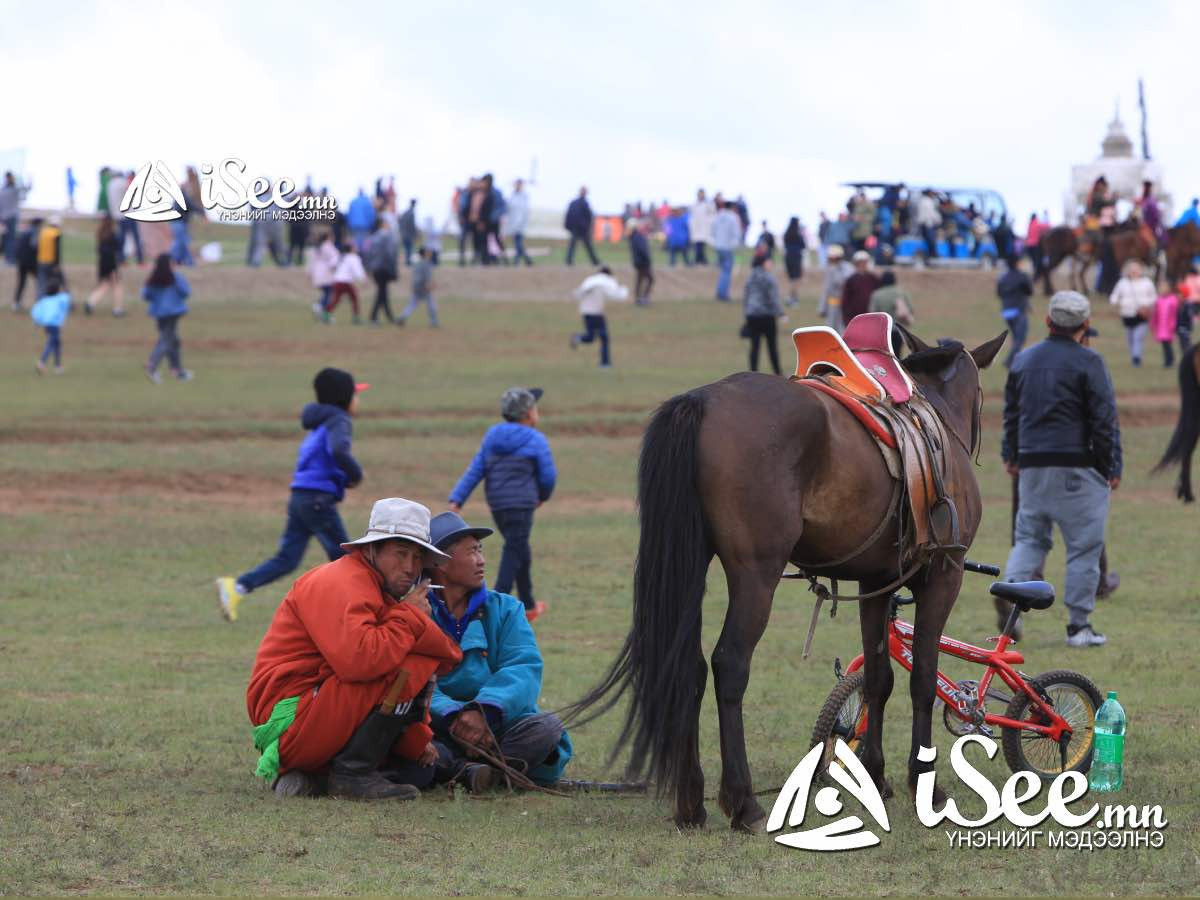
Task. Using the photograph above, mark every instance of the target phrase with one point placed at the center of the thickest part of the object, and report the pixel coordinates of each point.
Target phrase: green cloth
(885, 299)
(267, 735)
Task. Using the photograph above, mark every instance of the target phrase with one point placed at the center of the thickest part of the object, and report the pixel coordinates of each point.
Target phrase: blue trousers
(53, 345)
(129, 227)
(725, 261)
(516, 561)
(1019, 326)
(596, 327)
(309, 514)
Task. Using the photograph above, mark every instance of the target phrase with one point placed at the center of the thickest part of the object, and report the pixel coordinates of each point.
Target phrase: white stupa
(1124, 171)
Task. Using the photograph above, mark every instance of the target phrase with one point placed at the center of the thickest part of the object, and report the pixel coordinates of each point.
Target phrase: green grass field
(125, 752)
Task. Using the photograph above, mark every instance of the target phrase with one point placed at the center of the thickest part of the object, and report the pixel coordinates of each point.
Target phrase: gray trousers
(1075, 499)
(530, 740)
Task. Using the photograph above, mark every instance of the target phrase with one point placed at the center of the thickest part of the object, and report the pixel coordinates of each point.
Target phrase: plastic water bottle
(1109, 757)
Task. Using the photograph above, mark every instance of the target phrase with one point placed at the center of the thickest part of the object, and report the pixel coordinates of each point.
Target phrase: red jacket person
(342, 680)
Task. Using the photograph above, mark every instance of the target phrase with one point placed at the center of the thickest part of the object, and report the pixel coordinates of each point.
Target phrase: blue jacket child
(515, 463)
(325, 468)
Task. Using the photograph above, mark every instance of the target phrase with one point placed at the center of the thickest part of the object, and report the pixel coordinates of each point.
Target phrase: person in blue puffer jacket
(166, 293)
(517, 467)
(325, 469)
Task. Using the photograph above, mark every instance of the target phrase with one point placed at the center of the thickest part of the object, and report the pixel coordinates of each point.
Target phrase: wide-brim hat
(395, 518)
(448, 527)
(835, 251)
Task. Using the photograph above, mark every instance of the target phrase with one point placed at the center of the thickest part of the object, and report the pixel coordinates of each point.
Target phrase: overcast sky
(778, 101)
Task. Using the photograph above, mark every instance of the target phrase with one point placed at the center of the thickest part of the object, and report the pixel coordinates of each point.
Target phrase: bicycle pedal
(985, 730)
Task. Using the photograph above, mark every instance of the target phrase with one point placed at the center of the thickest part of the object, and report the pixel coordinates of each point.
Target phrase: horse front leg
(935, 599)
(751, 592)
(877, 684)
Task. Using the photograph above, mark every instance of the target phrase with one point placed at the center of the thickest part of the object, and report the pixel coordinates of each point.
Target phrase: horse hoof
(692, 820)
(757, 826)
(885, 790)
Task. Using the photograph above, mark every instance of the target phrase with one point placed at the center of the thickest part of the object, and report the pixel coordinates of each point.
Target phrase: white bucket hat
(397, 518)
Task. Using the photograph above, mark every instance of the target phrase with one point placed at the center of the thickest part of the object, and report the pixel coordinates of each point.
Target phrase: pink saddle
(869, 337)
(860, 360)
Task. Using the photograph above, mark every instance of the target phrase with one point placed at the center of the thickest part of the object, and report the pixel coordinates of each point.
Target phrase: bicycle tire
(841, 710)
(1076, 699)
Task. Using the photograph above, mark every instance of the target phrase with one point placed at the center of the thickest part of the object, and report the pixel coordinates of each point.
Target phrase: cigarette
(440, 587)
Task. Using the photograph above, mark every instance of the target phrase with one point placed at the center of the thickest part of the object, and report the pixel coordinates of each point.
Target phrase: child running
(50, 313)
(348, 273)
(325, 468)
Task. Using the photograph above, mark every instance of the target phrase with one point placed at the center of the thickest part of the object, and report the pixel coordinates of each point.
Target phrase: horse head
(948, 377)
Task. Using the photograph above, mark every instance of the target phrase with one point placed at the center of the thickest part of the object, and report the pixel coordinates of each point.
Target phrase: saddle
(860, 371)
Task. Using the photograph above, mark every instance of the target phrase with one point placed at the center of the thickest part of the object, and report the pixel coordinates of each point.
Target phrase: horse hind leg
(878, 680)
(751, 591)
(689, 794)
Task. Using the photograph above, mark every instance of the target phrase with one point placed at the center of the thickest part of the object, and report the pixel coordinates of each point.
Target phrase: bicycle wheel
(1074, 698)
(841, 717)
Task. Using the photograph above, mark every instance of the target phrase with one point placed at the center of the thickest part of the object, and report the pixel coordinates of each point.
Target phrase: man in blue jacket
(517, 468)
(325, 468)
(490, 698)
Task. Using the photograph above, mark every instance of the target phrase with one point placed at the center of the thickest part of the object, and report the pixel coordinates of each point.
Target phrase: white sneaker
(1086, 637)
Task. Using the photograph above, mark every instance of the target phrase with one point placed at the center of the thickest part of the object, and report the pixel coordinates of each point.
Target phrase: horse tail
(661, 664)
(1187, 429)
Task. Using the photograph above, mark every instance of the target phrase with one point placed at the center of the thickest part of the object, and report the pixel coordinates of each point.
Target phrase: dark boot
(300, 784)
(354, 772)
(480, 777)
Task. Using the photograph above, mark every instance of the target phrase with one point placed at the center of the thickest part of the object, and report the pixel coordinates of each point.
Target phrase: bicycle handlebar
(981, 568)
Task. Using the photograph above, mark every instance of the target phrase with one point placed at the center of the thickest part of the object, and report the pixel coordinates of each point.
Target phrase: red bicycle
(1047, 726)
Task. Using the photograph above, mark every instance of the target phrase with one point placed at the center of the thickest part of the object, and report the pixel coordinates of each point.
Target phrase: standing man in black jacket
(643, 265)
(578, 223)
(1063, 442)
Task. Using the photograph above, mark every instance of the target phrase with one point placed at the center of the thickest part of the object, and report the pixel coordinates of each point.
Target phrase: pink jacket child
(1166, 310)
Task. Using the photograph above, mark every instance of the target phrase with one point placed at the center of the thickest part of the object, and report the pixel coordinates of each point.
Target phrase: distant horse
(1057, 245)
(761, 472)
(1183, 245)
(1187, 430)
(1126, 241)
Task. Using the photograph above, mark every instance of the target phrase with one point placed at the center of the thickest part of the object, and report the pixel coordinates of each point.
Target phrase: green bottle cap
(1112, 695)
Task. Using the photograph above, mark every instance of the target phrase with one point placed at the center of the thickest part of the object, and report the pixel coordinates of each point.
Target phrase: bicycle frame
(998, 661)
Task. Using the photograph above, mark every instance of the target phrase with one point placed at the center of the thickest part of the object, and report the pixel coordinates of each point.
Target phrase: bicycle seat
(1025, 594)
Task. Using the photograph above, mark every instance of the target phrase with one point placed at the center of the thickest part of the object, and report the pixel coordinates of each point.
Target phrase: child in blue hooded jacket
(325, 468)
(50, 312)
(517, 468)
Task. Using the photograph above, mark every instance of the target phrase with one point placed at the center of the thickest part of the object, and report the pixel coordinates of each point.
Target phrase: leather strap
(392, 697)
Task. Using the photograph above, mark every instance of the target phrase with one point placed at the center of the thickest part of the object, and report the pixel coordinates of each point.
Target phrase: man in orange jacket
(342, 680)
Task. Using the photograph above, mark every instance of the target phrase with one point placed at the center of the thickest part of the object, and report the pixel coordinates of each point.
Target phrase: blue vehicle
(972, 245)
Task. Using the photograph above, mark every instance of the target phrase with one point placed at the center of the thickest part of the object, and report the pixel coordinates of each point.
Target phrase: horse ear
(985, 353)
(914, 343)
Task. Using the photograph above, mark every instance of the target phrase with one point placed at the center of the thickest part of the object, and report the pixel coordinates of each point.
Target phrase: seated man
(342, 679)
(489, 700)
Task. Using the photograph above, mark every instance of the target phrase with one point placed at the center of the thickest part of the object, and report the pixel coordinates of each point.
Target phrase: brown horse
(1125, 241)
(1187, 430)
(1183, 245)
(761, 472)
(1058, 245)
